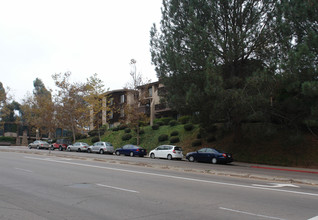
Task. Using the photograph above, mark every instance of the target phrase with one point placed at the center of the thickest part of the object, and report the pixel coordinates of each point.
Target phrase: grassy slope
(278, 150)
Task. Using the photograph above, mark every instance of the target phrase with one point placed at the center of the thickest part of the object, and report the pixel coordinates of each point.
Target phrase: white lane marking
(277, 185)
(122, 189)
(178, 177)
(314, 218)
(29, 171)
(249, 213)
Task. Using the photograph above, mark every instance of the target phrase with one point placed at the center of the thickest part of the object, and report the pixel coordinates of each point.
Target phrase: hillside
(281, 149)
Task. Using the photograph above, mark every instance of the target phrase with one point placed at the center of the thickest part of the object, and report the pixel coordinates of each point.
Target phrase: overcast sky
(39, 38)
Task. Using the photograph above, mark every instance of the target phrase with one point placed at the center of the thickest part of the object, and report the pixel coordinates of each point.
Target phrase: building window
(122, 98)
(111, 101)
(122, 113)
(111, 115)
(150, 92)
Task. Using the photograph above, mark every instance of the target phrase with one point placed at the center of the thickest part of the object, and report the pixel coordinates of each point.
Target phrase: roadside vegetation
(255, 146)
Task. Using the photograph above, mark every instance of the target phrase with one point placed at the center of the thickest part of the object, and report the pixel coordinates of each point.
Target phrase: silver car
(39, 145)
(101, 147)
(78, 146)
(167, 151)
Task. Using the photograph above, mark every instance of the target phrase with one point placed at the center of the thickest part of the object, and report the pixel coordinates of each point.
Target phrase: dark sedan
(131, 150)
(209, 155)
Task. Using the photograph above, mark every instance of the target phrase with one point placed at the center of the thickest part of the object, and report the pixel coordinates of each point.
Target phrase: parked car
(61, 144)
(39, 145)
(131, 150)
(101, 147)
(167, 151)
(210, 155)
(78, 146)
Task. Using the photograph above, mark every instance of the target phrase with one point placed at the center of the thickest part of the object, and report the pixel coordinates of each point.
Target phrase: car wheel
(214, 160)
(152, 155)
(60, 148)
(117, 153)
(89, 150)
(68, 149)
(30, 147)
(101, 151)
(191, 158)
(131, 154)
(169, 157)
(38, 147)
(79, 150)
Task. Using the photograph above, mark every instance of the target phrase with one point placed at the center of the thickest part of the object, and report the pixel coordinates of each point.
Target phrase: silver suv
(101, 147)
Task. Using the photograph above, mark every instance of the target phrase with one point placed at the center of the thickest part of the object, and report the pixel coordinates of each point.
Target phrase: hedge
(174, 133)
(173, 123)
(174, 140)
(155, 127)
(184, 119)
(95, 139)
(163, 137)
(126, 137)
(188, 127)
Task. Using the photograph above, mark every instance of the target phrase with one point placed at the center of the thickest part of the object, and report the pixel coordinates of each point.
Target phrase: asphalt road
(39, 185)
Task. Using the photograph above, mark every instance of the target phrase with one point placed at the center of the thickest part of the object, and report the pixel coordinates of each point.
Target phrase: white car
(78, 146)
(167, 151)
(101, 147)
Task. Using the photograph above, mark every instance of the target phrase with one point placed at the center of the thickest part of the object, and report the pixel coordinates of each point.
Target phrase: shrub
(184, 119)
(127, 130)
(155, 127)
(158, 121)
(95, 139)
(199, 136)
(174, 133)
(188, 127)
(174, 140)
(93, 133)
(166, 120)
(122, 127)
(80, 136)
(173, 123)
(196, 143)
(211, 139)
(141, 131)
(126, 137)
(115, 129)
(8, 139)
(163, 137)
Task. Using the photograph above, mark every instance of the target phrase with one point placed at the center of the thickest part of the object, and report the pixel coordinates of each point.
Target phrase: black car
(131, 150)
(210, 155)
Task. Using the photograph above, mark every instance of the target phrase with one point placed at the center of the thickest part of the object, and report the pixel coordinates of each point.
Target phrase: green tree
(209, 55)
(297, 30)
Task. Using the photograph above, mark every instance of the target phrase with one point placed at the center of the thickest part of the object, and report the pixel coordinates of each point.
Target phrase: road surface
(43, 186)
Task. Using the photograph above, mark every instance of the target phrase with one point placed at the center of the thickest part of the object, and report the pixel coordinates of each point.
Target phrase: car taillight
(174, 151)
(224, 155)
(137, 150)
